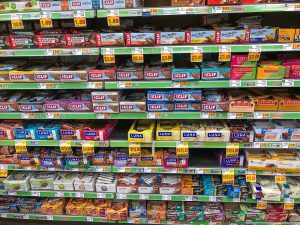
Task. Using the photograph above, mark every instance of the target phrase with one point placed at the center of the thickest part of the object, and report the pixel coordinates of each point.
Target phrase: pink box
(242, 61)
(292, 69)
(243, 73)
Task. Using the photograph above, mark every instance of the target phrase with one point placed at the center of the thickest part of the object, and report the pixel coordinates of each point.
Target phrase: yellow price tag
(3, 172)
(224, 56)
(88, 148)
(138, 58)
(232, 149)
(46, 22)
(196, 57)
(134, 149)
(261, 205)
(166, 57)
(105, 168)
(292, 145)
(225, 8)
(288, 205)
(228, 177)
(80, 22)
(17, 24)
(20, 146)
(254, 56)
(182, 149)
(113, 21)
(280, 179)
(251, 178)
(109, 58)
(154, 11)
(65, 147)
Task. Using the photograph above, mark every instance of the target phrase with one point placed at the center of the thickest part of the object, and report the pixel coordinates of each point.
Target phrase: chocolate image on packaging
(199, 36)
(155, 70)
(23, 40)
(130, 71)
(240, 131)
(231, 36)
(170, 38)
(240, 101)
(186, 95)
(85, 38)
(51, 39)
(102, 72)
(158, 96)
(140, 39)
(105, 96)
(51, 73)
(133, 102)
(110, 39)
(264, 35)
(215, 106)
(160, 106)
(185, 73)
(106, 107)
(187, 106)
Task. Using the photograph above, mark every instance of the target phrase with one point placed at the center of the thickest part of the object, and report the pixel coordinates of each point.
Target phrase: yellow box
(53, 206)
(146, 158)
(77, 207)
(286, 35)
(168, 130)
(288, 161)
(141, 131)
(262, 160)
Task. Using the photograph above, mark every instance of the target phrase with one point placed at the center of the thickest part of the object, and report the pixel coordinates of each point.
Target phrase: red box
(98, 134)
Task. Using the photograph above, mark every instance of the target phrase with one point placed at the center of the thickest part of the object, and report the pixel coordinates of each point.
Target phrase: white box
(85, 182)
(64, 182)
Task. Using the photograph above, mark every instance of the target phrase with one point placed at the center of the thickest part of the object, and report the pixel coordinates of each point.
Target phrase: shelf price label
(227, 176)
(232, 149)
(109, 56)
(261, 205)
(88, 148)
(137, 55)
(251, 176)
(224, 53)
(280, 179)
(65, 147)
(197, 54)
(45, 20)
(79, 18)
(288, 204)
(113, 18)
(166, 55)
(3, 172)
(16, 21)
(182, 149)
(134, 149)
(254, 53)
(20, 146)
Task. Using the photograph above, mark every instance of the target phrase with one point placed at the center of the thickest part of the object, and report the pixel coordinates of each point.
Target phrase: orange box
(286, 34)
(117, 210)
(77, 207)
(53, 206)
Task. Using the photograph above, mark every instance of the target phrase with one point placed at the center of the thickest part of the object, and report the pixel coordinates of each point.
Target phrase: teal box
(48, 132)
(28, 131)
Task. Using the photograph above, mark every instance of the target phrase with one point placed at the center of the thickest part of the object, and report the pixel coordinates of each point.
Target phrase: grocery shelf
(66, 194)
(151, 115)
(43, 86)
(265, 47)
(162, 11)
(48, 52)
(72, 143)
(53, 15)
(157, 84)
(205, 169)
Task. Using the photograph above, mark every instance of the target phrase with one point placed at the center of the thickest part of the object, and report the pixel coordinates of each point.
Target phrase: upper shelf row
(160, 11)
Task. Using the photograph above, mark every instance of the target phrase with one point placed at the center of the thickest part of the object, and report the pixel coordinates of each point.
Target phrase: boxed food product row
(56, 130)
(169, 212)
(89, 38)
(214, 131)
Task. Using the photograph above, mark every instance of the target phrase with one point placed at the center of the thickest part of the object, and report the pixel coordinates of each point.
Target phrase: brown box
(240, 102)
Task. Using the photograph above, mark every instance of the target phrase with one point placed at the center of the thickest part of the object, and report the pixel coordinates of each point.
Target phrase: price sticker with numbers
(182, 149)
(167, 55)
(232, 149)
(227, 176)
(224, 53)
(288, 204)
(134, 149)
(197, 54)
(109, 55)
(137, 55)
(251, 176)
(261, 205)
(16, 21)
(65, 147)
(20, 146)
(45, 20)
(79, 18)
(113, 18)
(88, 148)
(280, 179)
(3, 172)
(254, 53)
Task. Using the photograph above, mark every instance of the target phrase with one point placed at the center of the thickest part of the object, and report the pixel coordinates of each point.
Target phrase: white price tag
(199, 171)
(261, 83)
(258, 115)
(79, 195)
(101, 195)
(288, 83)
(35, 193)
(166, 197)
(289, 200)
(16, 16)
(289, 7)
(287, 47)
(89, 219)
(48, 52)
(143, 197)
(108, 51)
(235, 83)
(236, 200)
(217, 9)
(49, 217)
(204, 115)
(284, 145)
(3, 215)
(231, 116)
(77, 51)
(256, 145)
(147, 169)
(121, 196)
(255, 48)
(79, 14)
(26, 216)
(100, 116)
(212, 198)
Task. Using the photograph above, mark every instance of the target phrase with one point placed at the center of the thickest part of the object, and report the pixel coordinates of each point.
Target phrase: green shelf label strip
(53, 15)
(151, 115)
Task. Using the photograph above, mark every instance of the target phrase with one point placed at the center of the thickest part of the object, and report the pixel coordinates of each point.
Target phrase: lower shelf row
(151, 212)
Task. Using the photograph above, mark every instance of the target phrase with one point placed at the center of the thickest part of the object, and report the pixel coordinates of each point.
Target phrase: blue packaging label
(147, 158)
(90, 133)
(68, 132)
(121, 158)
(164, 133)
(239, 135)
(43, 132)
(212, 135)
(2, 132)
(189, 134)
(136, 136)
(171, 160)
